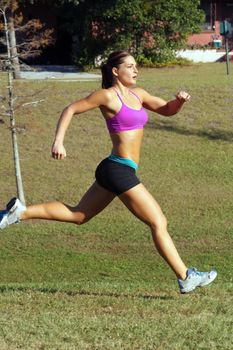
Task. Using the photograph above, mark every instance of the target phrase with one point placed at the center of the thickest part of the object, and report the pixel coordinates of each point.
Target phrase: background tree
(26, 39)
(10, 112)
(171, 22)
(29, 44)
(152, 30)
(99, 27)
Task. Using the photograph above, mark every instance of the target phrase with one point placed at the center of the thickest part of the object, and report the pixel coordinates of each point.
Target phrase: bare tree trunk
(13, 49)
(18, 175)
(19, 182)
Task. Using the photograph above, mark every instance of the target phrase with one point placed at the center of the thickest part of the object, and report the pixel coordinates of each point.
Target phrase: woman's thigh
(142, 204)
(94, 201)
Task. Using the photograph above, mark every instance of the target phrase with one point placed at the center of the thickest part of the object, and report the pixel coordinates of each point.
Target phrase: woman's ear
(114, 72)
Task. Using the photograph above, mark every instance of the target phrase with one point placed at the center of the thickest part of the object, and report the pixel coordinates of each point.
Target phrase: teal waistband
(124, 161)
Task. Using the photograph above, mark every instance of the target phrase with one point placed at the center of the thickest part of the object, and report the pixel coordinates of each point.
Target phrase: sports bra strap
(118, 95)
(133, 93)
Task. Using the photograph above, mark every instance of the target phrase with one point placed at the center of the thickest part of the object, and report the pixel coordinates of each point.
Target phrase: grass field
(102, 286)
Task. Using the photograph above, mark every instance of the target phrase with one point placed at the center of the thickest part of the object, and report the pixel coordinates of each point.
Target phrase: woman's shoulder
(101, 96)
(104, 93)
(109, 93)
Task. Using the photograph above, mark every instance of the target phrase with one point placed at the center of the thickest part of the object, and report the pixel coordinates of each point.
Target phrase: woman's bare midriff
(127, 144)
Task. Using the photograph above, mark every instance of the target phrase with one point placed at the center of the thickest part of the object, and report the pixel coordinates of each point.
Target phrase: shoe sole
(188, 291)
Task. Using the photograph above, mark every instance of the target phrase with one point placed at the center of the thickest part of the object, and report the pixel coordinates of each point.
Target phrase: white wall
(202, 55)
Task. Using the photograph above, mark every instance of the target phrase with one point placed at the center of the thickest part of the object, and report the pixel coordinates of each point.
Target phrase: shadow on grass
(73, 292)
(210, 134)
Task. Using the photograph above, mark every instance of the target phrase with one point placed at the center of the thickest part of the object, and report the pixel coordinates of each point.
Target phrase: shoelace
(195, 272)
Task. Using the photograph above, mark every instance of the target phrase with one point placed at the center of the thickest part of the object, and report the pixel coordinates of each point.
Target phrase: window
(227, 11)
(209, 8)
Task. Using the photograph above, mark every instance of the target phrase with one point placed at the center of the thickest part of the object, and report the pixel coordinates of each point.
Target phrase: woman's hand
(183, 96)
(58, 150)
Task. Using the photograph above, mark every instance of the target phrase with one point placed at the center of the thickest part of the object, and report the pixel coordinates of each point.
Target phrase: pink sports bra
(127, 118)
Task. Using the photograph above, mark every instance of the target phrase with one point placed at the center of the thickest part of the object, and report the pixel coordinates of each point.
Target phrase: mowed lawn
(103, 285)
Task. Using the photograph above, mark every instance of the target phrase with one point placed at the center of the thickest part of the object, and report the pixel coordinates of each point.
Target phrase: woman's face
(127, 71)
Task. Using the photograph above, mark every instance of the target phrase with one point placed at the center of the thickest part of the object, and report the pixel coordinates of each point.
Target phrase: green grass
(102, 285)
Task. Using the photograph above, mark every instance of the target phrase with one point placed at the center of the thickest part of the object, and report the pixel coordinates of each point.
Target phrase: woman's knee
(159, 223)
(80, 218)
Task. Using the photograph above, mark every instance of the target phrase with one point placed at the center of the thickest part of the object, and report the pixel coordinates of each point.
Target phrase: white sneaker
(12, 213)
(196, 279)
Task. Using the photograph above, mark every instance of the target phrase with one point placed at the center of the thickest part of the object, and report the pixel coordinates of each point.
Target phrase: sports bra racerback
(127, 118)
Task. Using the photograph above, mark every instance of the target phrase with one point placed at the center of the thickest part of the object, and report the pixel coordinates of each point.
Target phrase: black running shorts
(116, 177)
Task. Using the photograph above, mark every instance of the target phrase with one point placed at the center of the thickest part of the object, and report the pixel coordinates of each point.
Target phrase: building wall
(220, 10)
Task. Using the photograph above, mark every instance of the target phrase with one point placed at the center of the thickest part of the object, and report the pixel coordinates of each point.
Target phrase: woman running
(123, 108)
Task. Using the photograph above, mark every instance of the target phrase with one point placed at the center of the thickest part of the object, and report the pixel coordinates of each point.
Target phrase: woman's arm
(161, 106)
(94, 100)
